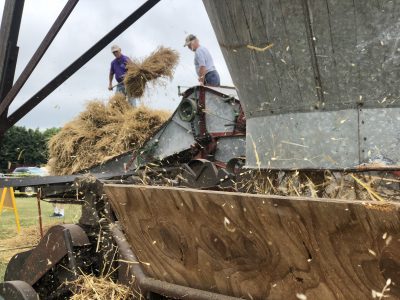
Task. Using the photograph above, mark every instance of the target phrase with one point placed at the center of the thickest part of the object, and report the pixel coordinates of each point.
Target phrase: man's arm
(110, 79)
(200, 56)
(202, 75)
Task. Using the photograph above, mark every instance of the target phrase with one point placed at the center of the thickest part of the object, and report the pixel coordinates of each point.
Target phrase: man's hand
(201, 80)
(110, 80)
(202, 73)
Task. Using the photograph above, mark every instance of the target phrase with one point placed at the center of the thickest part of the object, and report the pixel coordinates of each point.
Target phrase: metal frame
(50, 180)
(209, 147)
(55, 28)
(31, 103)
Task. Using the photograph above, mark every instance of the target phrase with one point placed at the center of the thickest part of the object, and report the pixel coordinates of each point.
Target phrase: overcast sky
(166, 24)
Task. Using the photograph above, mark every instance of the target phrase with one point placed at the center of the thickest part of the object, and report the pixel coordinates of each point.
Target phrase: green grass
(28, 215)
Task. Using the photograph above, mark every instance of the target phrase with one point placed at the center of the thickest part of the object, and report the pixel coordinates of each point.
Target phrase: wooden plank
(378, 37)
(281, 77)
(335, 27)
(294, 24)
(343, 34)
(356, 43)
(233, 35)
(370, 49)
(271, 69)
(259, 247)
(326, 64)
(228, 43)
(266, 71)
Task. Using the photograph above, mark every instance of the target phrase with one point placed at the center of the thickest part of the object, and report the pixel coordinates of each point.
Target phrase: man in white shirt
(203, 62)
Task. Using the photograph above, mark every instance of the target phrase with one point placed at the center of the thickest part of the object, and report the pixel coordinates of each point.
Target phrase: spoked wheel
(17, 290)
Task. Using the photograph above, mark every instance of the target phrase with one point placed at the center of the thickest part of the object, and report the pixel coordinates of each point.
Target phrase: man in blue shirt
(118, 68)
(203, 62)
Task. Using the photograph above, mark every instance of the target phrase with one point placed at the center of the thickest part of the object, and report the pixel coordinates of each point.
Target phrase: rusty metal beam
(9, 31)
(80, 62)
(51, 180)
(37, 56)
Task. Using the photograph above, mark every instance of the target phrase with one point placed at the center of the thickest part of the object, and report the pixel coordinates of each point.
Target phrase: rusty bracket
(32, 265)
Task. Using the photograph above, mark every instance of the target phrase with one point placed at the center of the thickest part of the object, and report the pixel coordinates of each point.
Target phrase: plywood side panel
(260, 247)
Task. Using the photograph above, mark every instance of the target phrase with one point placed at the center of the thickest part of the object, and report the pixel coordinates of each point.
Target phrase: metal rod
(70, 251)
(48, 180)
(37, 56)
(147, 284)
(38, 196)
(81, 61)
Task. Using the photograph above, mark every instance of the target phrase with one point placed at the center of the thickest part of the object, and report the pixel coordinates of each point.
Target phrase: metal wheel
(235, 165)
(17, 290)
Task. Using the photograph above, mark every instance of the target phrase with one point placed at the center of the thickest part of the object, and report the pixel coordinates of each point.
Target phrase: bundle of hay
(100, 288)
(160, 64)
(101, 132)
(335, 185)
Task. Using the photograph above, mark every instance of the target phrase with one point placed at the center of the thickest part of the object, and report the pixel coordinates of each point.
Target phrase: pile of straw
(160, 64)
(99, 288)
(101, 132)
(335, 185)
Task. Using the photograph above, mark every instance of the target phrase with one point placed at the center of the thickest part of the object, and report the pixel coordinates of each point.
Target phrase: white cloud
(166, 24)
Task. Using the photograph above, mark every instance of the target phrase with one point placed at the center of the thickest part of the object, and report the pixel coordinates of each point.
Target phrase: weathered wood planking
(354, 44)
(259, 247)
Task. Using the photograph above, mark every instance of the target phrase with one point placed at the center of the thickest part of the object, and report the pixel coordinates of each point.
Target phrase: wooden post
(38, 194)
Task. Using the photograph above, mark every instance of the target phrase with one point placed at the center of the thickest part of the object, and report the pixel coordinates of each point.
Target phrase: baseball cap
(189, 38)
(115, 48)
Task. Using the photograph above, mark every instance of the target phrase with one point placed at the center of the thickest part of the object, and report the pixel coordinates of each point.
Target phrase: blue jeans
(212, 79)
(133, 102)
(120, 88)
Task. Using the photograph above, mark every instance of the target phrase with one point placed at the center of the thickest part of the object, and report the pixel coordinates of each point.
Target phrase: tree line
(24, 147)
